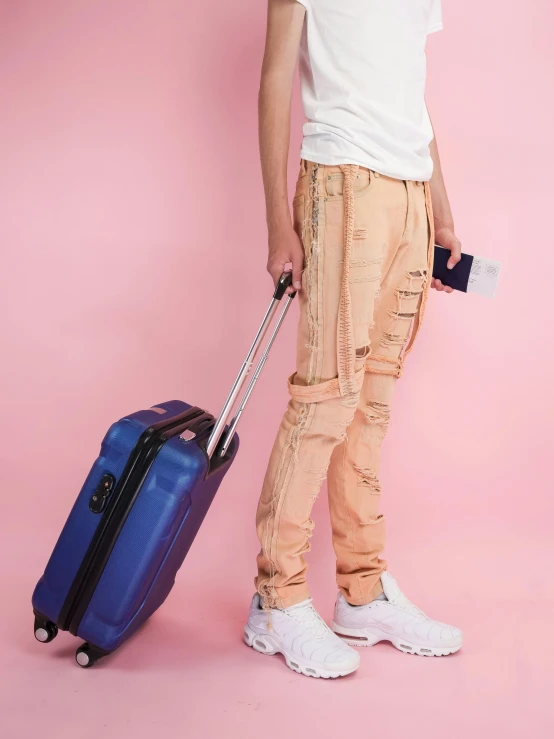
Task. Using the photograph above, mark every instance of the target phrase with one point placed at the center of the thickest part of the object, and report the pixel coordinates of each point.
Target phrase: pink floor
(187, 674)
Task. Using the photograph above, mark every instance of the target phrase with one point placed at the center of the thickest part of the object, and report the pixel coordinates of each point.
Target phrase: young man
(360, 244)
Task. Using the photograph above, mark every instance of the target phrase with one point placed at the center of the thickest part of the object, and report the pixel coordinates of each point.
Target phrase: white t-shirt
(363, 69)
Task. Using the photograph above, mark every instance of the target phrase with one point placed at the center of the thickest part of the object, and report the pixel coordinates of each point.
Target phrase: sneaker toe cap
(343, 659)
(454, 634)
(443, 634)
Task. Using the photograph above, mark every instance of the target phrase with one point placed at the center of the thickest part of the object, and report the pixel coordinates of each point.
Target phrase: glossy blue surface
(153, 544)
(155, 537)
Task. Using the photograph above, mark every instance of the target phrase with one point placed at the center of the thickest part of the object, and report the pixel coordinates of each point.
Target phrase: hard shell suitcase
(139, 511)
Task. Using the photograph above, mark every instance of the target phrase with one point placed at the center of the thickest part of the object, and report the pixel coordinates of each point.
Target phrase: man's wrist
(278, 225)
(443, 225)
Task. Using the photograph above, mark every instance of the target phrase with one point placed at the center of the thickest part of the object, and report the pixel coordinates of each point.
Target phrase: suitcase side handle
(218, 430)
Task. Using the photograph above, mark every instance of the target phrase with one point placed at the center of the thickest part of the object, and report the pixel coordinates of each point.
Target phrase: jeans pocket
(334, 183)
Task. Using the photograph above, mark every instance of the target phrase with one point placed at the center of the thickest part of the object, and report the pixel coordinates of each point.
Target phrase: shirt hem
(336, 162)
(435, 28)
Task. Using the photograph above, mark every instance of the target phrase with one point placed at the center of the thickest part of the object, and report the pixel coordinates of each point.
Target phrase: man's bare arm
(284, 28)
(442, 216)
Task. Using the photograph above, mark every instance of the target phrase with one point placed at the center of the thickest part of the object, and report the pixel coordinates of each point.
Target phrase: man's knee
(333, 412)
(328, 390)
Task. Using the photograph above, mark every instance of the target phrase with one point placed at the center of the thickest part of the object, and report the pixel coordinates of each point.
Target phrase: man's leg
(340, 280)
(361, 617)
(354, 488)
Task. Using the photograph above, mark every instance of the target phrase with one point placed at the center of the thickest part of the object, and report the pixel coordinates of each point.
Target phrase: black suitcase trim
(116, 508)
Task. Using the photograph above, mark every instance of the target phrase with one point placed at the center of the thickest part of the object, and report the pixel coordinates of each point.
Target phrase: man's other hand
(446, 238)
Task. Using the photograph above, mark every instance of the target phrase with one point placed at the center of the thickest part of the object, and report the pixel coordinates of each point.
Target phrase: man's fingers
(455, 254)
(275, 271)
(297, 265)
(275, 275)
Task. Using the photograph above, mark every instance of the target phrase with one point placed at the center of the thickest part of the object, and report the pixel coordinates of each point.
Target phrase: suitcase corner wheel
(45, 630)
(88, 655)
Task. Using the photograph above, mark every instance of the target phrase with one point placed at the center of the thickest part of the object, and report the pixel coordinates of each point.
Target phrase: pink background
(133, 257)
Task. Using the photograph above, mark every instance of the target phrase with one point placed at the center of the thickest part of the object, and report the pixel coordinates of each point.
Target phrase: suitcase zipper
(115, 515)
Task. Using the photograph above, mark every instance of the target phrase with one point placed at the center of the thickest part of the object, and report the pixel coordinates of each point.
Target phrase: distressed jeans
(367, 241)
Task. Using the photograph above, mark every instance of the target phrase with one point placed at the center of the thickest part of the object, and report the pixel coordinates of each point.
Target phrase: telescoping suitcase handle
(218, 434)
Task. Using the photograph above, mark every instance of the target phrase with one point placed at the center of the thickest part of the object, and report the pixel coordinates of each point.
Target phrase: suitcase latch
(100, 496)
(187, 435)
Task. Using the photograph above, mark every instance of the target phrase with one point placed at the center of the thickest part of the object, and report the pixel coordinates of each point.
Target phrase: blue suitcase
(138, 513)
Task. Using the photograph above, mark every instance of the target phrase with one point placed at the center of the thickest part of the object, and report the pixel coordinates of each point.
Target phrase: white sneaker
(396, 620)
(302, 637)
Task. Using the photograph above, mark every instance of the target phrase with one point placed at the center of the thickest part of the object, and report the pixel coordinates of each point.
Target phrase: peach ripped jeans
(368, 261)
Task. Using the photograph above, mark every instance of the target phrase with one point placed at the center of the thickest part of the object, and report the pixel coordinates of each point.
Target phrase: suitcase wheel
(87, 656)
(45, 631)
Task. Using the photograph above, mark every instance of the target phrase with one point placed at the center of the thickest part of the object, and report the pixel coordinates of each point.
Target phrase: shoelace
(307, 617)
(400, 600)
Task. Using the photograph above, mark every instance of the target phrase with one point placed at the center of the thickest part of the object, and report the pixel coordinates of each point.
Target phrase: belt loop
(303, 167)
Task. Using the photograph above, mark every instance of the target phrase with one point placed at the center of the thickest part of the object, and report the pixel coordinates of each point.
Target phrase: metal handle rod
(239, 382)
(231, 431)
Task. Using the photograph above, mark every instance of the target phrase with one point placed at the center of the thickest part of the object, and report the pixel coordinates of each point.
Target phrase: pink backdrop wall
(133, 253)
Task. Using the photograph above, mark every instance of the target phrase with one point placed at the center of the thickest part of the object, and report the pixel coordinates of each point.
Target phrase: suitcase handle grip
(219, 428)
(284, 282)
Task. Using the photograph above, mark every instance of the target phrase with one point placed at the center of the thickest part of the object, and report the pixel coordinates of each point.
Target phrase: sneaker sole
(265, 644)
(367, 638)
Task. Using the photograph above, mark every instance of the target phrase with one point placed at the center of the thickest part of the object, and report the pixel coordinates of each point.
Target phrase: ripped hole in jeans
(368, 479)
